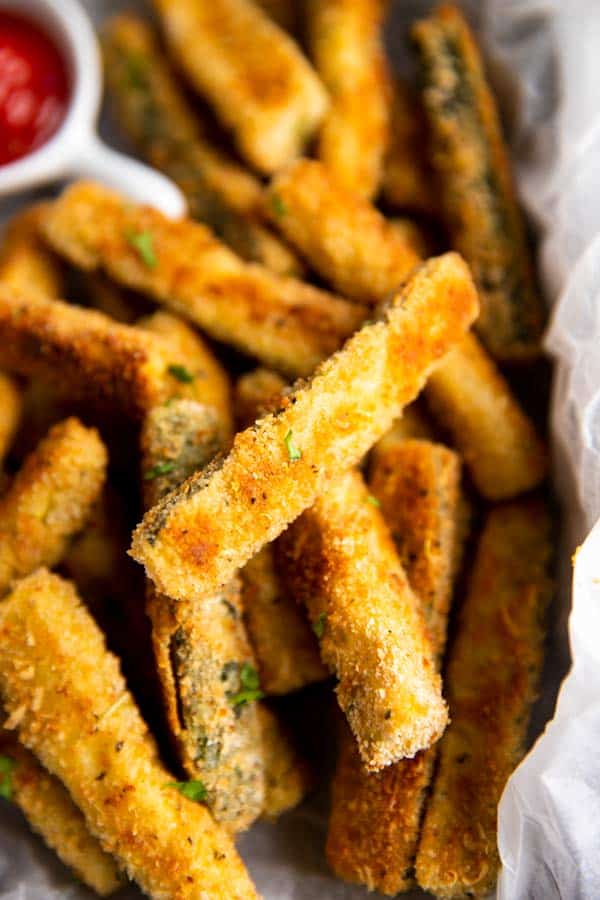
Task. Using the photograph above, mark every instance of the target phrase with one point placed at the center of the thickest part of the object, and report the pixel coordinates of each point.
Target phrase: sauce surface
(34, 87)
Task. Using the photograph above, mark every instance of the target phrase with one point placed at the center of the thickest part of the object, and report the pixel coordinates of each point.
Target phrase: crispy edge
(50, 499)
(52, 814)
(25, 261)
(197, 537)
(491, 683)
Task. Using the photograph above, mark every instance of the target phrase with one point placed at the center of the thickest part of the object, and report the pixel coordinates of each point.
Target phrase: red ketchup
(34, 87)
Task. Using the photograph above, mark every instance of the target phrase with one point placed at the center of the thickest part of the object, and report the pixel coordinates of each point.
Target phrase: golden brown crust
(470, 398)
(340, 562)
(491, 683)
(74, 712)
(262, 89)
(50, 499)
(345, 42)
(476, 190)
(407, 182)
(26, 263)
(53, 815)
(345, 239)
(255, 394)
(11, 411)
(413, 423)
(284, 12)
(196, 538)
(81, 350)
(287, 324)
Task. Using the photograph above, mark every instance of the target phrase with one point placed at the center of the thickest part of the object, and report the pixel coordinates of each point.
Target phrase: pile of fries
(290, 532)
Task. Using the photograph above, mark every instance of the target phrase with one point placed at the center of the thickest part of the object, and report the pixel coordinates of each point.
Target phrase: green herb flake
(7, 765)
(293, 452)
(180, 373)
(193, 790)
(278, 206)
(143, 243)
(250, 687)
(159, 469)
(373, 501)
(319, 625)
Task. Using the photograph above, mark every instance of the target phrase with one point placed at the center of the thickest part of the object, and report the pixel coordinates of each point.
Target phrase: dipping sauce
(34, 87)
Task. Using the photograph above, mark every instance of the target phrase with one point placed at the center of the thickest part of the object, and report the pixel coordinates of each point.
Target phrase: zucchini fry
(477, 195)
(345, 239)
(26, 263)
(197, 537)
(50, 499)
(470, 398)
(491, 683)
(288, 778)
(75, 713)
(340, 561)
(11, 412)
(407, 182)
(375, 818)
(346, 46)
(166, 131)
(254, 75)
(81, 351)
(413, 235)
(283, 322)
(413, 423)
(52, 814)
(286, 649)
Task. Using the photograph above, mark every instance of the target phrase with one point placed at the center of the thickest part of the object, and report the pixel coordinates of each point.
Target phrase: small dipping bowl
(75, 150)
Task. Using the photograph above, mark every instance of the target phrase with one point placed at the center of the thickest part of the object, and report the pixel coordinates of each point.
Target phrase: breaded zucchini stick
(11, 411)
(477, 195)
(413, 423)
(345, 239)
(76, 714)
(491, 683)
(283, 322)
(285, 646)
(375, 818)
(196, 538)
(340, 561)
(25, 261)
(52, 814)
(50, 499)
(81, 351)
(346, 46)
(253, 73)
(156, 116)
(413, 235)
(287, 777)
(470, 398)
(408, 182)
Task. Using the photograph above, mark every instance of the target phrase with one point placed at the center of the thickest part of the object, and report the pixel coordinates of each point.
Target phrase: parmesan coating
(285, 323)
(476, 191)
(11, 412)
(197, 537)
(470, 398)
(408, 182)
(346, 45)
(341, 562)
(345, 239)
(50, 499)
(52, 814)
(64, 693)
(25, 261)
(81, 351)
(253, 73)
(491, 683)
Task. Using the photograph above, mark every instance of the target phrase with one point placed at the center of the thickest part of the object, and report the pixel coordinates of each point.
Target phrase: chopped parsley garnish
(319, 625)
(293, 452)
(7, 765)
(250, 687)
(278, 206)
(180, 373)
(142, 242)
(159, 469)
(373, 500)
(193, 790)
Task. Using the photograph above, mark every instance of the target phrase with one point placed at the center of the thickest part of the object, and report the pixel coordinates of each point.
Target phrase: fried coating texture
(52, 814)
(408, 182)
(470, 398)
(197, 537)
(477, 196)
(66, 697)
(375, 817)
(345, 239)
(491, 683)
(288, 778)
(81, 351)
(346, 46)
(283, 322)
(25, 261)
(341, 562)
(50, 499)
(413, 423)
(253, 73)
(11, 411)
(284, 12)
(154, 113)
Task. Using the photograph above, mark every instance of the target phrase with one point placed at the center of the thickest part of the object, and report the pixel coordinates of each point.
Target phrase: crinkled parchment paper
(545, 57)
